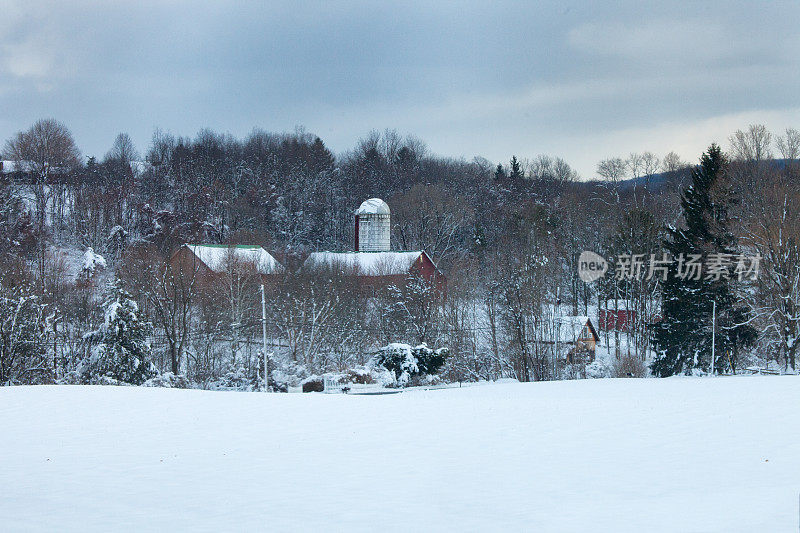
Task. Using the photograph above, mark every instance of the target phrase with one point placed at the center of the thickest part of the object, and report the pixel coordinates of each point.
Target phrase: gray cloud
(471, 78)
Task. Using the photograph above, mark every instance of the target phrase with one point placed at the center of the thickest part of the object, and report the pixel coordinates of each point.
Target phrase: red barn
(378, 269)
(208, 261)
(616, 316)
(372, 264)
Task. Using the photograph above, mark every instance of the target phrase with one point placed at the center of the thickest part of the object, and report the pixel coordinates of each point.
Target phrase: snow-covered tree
(25, 328)
(406, 362)
(91, 263)
(119, 348)
(683, 339)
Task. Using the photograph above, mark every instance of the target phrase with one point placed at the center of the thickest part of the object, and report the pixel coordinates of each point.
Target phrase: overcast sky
(583, 81)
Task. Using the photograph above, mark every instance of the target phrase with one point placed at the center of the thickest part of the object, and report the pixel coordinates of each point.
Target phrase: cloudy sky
(581, 80)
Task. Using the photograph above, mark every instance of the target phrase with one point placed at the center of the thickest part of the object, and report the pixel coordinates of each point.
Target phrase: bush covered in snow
(313, 384)
(235, 379)
(239, 379)
(168, 380)
(92, 262)
(357, 376)
(286, 374)
(598, 369)
(407, 362)
(118, 349)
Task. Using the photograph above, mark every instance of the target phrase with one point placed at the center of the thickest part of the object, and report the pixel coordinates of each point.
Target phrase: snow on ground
(714, 454)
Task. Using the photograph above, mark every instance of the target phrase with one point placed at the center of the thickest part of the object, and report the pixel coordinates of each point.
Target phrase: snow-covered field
(682, 454)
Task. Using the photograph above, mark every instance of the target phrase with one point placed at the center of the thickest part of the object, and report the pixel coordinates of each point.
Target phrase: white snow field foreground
(684, 454)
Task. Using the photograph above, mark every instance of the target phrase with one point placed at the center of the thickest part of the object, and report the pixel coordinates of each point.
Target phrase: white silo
(373, 226)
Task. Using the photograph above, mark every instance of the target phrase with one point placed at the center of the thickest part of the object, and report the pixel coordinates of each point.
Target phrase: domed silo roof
(373, 206)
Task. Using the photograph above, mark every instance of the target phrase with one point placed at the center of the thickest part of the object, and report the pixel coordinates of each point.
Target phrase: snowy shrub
(426, 380)
(119, 350)
(359, 376)
(167, 380)
(277, 385)
(598, 369)
(92, 262)
(430, 361)
(236, 378)
(406, 362)
(288, 374)
(313, 384)
(117, 238)
(382, 376)
(106, 380)
(70, 378)
(569, 371)
(397, 358)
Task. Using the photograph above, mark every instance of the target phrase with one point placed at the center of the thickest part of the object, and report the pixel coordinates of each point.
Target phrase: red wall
(615, 320)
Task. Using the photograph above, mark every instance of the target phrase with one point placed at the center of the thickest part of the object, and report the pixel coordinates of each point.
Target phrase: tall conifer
(683, 338)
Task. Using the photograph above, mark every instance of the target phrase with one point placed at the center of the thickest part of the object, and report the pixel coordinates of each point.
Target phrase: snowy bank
(592, 455)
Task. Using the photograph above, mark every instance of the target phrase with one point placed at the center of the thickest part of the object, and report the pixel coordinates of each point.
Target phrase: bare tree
(43, 151)
(635, 164)
(672, 163)
(753, 145)
(168, 291)
(302, 308)
(789, 144)
(544, 167)
(431, 218)
(240, 283)
(123, 149)
(612, 169)
(771, 228)
(650, 165)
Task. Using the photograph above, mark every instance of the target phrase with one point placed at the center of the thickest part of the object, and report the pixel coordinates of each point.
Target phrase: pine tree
(683, 338)
(119, 347)
(516, 169)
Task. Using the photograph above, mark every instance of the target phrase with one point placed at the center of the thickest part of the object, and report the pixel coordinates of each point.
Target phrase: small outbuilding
(578, 335)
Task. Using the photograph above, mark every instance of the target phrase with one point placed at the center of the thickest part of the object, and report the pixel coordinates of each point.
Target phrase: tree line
(507, 236)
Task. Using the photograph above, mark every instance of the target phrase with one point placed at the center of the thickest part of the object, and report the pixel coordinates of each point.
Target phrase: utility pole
(713, 335)
(558, 330)
(264, 337)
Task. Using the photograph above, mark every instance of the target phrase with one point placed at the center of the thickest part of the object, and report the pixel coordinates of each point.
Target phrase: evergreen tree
(516, 169)
(683, 338)
(119, 347)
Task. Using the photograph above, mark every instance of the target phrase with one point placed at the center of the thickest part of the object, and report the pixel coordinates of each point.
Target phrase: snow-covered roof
(13, 166)
(365, 263)
(216, 256)
(373, 206)
(570, 328)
